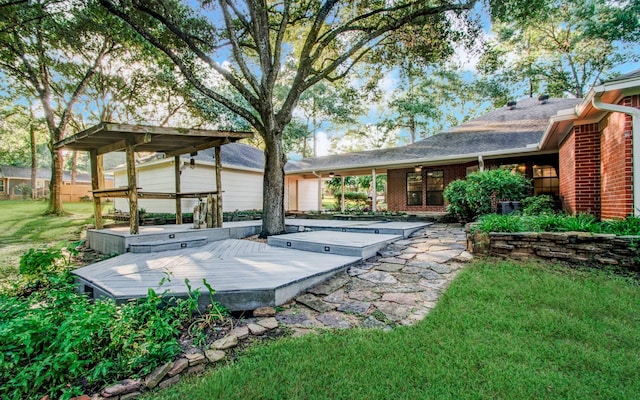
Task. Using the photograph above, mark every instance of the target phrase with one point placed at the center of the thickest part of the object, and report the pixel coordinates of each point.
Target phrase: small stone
(441, 269)
(336, 320)
(372, 323)
(256, 329)
(156, 376)
(195, 359)
(241, 332)
(353, 271)
(336, 297)
(226, 342)
(214, 355)
(122, 387)
(430, 274)
(409, 299)
(264, 312)
(315, 303)
(178, 366)
(378, 277)
(330, 285)
(363, 295)
(393, 260)
(357, 307)
(268, 323)
(389, 267)
(130, 396)
(395, 312)
(169, 382)
(196, 369)
(464, 257)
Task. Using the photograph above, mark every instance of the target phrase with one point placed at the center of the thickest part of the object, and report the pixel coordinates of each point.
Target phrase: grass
(502, 330)
(23, 225)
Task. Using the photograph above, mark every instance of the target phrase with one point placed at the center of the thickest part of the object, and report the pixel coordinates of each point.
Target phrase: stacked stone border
(575, 247)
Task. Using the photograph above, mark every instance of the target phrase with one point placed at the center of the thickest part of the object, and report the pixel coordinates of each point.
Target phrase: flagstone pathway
(399, 287)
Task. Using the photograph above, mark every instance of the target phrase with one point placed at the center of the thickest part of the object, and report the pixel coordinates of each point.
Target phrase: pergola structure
(109, 137)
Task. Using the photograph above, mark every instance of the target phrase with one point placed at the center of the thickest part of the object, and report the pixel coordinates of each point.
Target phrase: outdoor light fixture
(543, 98)
(192, 163)
(512, 104)
(417, 168)
(331, 175)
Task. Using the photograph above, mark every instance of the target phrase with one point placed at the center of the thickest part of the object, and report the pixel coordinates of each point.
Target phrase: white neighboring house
(242, 175)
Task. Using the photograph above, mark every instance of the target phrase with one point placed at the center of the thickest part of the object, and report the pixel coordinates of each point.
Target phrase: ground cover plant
(23, 225)
(502, 330)
(55, 341)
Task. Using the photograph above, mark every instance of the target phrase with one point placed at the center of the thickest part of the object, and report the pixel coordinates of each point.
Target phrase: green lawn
(23, 225)
(502, 330)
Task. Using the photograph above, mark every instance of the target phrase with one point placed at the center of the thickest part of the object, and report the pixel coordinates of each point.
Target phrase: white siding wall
(301, 194)
(242, 190)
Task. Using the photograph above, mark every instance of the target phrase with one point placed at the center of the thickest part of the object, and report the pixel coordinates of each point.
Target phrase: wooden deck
(245, 274)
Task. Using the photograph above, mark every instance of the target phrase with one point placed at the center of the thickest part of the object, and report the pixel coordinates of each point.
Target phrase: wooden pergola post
(132, 185)
(176, 162)
(374, 195)
(218, 187)
(97, 178)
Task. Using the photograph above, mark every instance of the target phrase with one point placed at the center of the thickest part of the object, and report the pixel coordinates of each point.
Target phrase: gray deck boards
(229, 266)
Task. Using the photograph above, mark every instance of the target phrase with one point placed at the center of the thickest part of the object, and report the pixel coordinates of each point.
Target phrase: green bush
(479, 193)
(557, 223)
(60, 343)
(536, 205)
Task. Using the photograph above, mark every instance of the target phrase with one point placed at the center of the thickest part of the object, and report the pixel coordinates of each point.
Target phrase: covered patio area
(109, 137)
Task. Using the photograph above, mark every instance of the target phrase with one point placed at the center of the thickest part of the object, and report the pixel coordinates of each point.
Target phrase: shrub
(557, 223)
(60, 343)
(479, 193)
(536, 205)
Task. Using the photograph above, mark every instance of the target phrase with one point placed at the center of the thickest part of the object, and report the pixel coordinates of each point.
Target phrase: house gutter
(635, 137)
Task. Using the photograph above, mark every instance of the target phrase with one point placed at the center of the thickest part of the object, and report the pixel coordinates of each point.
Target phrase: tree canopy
(246, 43)
(562, 47)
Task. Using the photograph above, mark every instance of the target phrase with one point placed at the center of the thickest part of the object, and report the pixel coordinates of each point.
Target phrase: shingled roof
(10, 171)
(236, 155)
(503, 131)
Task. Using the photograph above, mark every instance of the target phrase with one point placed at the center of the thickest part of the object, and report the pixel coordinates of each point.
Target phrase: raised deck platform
(404, 229)
(245, 274)
(361, 245)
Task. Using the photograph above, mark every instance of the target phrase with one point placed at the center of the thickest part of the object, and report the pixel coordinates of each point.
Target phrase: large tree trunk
(34, 161)
(55, 185)
(273, 187)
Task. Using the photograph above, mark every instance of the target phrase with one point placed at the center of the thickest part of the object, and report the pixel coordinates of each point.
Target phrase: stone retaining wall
(577, 247)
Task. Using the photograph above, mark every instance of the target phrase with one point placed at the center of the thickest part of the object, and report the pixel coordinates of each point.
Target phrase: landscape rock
(363, 295)
(336, 320)
(195, 359)
(241, 332)
(196, 369)
(268, 323)
(214, 356)
(178, 366)
(372, 323)
(157, 375)
(389, 267)
(169, 382)
(226, 342)
(336, 297)
(122, 387)
(256, 329)
(395, 312)
(264, 312)
(131, 396)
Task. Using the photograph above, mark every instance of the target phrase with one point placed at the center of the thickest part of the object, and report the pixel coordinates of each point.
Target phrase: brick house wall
(580, 170)
(397, 186)
(616, 166)
(596, 166)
